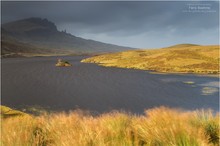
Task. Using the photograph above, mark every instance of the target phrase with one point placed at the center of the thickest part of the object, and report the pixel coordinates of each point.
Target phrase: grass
(176, 59)
(8, 112)
(183, 45)
(160, 126)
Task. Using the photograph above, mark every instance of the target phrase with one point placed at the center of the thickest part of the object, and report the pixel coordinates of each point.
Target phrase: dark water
(37, 82)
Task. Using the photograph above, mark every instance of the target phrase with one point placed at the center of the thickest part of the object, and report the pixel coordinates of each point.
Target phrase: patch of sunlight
(189, 82)
(209, 90)
(211, 84)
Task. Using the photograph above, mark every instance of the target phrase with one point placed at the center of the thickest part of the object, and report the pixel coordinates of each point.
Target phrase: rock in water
(62, 63)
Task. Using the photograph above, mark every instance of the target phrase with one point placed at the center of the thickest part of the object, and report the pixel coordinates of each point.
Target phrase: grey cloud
(117, 18)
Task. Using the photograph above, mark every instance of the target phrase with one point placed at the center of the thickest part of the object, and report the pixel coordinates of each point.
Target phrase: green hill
(181, 59)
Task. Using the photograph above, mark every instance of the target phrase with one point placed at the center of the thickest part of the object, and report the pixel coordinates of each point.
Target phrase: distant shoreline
(163, 73)
(29, 55)
(185, 73)
(45, 55)
(103, 65)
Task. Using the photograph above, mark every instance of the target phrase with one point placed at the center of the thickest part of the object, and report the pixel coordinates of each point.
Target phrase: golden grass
(8, 112)
(180, 59)
(159, 126)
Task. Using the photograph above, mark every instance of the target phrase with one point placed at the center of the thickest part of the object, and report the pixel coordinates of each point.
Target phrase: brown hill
(190, 59)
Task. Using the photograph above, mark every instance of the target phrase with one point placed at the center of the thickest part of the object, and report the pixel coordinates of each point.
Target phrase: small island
(62, 63)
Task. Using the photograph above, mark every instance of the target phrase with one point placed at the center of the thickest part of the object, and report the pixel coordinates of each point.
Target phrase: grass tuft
(159, 126)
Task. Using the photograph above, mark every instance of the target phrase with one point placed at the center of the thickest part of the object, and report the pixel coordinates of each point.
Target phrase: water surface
(37, 82)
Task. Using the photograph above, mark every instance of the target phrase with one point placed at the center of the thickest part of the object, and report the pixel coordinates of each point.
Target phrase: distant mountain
(40, 36)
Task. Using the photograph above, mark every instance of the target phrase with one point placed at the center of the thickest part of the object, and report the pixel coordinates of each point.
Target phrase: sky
(143, 24)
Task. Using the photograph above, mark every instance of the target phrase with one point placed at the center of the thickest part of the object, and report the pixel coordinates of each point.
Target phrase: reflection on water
(209, 90)
(211, 84)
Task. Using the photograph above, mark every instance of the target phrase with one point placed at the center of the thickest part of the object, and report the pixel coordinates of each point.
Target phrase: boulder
(62, 63)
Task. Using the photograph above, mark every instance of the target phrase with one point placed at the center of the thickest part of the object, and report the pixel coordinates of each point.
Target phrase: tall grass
(158, 127)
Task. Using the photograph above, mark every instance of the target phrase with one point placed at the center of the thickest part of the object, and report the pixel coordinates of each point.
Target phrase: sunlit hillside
(159, 126)
(184, 58)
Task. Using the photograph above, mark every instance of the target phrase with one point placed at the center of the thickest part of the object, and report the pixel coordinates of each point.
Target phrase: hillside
(190, 59)
(42, 35)
(183, 45)
(13, 48)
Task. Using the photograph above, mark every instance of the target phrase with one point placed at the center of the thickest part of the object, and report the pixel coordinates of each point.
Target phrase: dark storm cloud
(117, 18)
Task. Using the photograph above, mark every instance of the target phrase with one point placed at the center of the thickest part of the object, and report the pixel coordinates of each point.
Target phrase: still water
(37, 82)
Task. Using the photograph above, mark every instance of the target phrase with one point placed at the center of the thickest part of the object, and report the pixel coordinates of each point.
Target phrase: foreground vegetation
(8, 112)
(184, 58)
(159, 126)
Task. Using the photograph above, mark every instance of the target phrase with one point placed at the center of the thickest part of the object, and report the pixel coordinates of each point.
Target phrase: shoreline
(158, 72)
(197, 60)
(103, 65)
(185, 73)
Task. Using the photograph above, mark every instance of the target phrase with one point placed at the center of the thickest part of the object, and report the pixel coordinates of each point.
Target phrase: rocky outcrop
(62, 63)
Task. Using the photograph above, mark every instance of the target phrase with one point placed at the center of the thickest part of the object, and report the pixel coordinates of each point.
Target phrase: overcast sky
(134, 24)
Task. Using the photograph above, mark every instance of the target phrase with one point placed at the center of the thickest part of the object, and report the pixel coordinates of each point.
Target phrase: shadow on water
(37, 82)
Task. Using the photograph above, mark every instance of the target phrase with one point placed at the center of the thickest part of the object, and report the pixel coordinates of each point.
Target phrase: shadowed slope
(42, 34)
